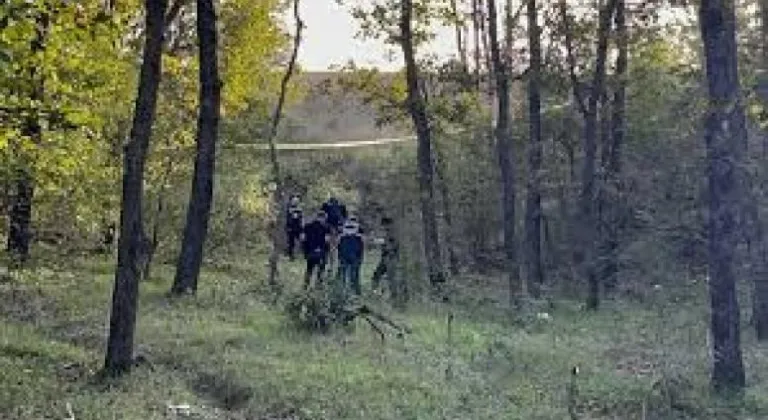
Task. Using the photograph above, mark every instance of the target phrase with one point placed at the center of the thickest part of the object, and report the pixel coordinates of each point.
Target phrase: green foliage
(252, 43)
(73, 51)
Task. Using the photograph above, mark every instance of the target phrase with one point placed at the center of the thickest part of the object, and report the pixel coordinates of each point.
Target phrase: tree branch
(173, 12)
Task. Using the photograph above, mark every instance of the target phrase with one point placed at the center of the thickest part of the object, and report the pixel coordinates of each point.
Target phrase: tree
(760, 261)
(418, 111)
(122, 323)
(20, 233)
(535, 273)
(504, 151)
(611, 189)
(725, 137)
(199, 208)
(589, 111)
(278, 194)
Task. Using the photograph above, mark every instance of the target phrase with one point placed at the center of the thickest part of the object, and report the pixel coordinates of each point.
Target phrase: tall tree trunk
(725, 135)
(613, 167)
(20, 217)
(534, 269)
(458, 27)
(418, 110)
(587, 219)
(485, 40)
(445, 194)
(760, 287)
(476, 18)
(504, 151)
(122, 323)
(278, 199)
(199, 208)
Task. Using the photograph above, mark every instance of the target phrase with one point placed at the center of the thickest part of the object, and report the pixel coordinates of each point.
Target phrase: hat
(350, 227)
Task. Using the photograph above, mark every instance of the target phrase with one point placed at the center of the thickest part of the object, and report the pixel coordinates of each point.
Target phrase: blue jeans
(349, 272)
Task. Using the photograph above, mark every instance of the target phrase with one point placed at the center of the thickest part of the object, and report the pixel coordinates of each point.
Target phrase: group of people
(334, 234)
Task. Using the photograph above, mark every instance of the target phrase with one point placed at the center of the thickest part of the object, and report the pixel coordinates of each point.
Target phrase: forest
(561, 220)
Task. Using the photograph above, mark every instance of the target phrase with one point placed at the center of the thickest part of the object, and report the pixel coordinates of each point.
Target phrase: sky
(329, 39)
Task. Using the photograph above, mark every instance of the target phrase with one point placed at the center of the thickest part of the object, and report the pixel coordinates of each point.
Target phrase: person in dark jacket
(350, 253)
(315, 241)
(293, 224)
(336, 212)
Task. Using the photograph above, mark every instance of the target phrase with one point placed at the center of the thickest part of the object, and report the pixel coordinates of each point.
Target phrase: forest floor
(229, 354)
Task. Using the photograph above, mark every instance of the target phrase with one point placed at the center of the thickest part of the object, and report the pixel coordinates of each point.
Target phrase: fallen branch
(375, 327)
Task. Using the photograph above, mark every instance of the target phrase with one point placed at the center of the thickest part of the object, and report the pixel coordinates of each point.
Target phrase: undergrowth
(230, 353)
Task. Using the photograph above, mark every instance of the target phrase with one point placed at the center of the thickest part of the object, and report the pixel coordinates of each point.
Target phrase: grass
(228, 354)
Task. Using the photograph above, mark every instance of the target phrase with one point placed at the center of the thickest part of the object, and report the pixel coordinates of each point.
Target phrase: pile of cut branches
(317, 311)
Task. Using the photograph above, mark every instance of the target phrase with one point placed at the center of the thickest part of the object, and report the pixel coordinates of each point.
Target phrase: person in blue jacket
(350, 252)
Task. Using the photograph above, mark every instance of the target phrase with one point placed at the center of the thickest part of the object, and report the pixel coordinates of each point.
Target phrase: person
(389, 254)
(336, 212)
(293, 223)
(315, 241)
(350, 255)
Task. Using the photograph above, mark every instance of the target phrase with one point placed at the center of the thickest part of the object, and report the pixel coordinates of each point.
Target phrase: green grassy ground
(228, 354)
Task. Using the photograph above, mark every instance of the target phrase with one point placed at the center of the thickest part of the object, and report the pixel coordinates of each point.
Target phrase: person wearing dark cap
(315, 240)
(350, 253)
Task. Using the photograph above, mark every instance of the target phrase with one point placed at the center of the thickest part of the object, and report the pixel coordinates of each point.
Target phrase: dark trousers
(293, 240)
(316, 265)
(349, 274)
(384, 268)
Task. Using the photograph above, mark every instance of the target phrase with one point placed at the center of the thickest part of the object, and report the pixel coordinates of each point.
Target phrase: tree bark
(535, 272)
(760, 280)
(445, 195)
(119, 357)
(477, 43)
(725, 136)
(200, 200)
(613, 166)
(418, 110)
(20, 217)
(504, 154)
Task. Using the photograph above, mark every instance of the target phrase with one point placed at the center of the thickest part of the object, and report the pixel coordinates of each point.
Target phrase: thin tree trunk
(20, 217)
(476, 19)
(417, 109)
(760, 277)
(587, 219)
(725, 136)
(122, 323)
(485, 40)
(201, 198)
(613, 169)
(277, 115)
(535, 272)
(445, 193)
(458, 26)
(504, 151)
